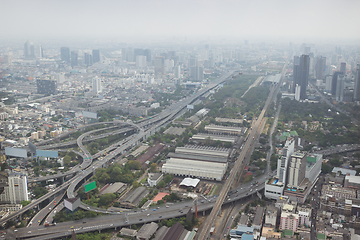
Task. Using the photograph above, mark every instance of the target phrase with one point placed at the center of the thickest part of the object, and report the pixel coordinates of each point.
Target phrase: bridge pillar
(62, 180)
(99, 231)
(204, 212)
(219, 213)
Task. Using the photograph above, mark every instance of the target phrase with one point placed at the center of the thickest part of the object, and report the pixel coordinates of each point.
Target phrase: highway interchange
(117, 219)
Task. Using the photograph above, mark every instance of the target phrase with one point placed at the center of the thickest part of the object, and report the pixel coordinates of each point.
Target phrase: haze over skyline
(300, 20)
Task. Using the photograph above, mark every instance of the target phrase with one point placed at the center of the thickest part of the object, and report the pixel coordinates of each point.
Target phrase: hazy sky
(181, 18)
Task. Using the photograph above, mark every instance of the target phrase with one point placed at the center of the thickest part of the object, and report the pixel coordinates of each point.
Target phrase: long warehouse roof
(223, 128)
(204, 152)
(214, 137)
(197, 157)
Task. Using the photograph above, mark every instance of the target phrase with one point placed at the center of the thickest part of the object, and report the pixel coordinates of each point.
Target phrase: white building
(16, 191)
(193, 168)
(177, 71)
(304, 216)
(154, 179)
(283, 162)
(297, 92)
(140, 62)
(274, 188)
(297, 169)
(168, 65)
(328, 81)
(313, 166)
(96, 85)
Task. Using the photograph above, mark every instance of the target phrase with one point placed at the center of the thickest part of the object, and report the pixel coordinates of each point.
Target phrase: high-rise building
(282, 164)
(32, 51)
(168, 65)
(60, 77)
(88, 59)
(297, 169)
(96, 55)
(65, 54)
(147, 53)
(343, 67)
(159, 67)
(296, 72)
(177, 71)
(320, 67)
(74, 58)
(96, 85)
(27, 49)
(16, 191)
(140, 61)
(334, 83)
(340, 85)
(304, 75)
(357, 84)
(328, 80)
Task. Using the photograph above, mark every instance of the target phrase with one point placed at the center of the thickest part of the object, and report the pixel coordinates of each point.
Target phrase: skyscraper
(340, 88)
(140, 61)
(65, 54)
(334, 83)
(74, 58)
(343, 67)
(301, 74)
(88, 59)
(297, 169)
(96, 55)
(96, 85)
(320, 67)
(147, 53)
(357, 84)
(32, 51)
(26, 49)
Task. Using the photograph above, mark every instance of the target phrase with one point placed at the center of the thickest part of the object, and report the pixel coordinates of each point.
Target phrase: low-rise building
(259, 217)
(274, 188)
(289, 221)
(304, 216)
(146, 231)
(338, 192)
(271, 215)
(352, 182)
(154, 179)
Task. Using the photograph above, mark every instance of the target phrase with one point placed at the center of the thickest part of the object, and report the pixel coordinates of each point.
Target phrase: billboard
(46, 153)
(86, 114)
(90, 186)
(190, 106)
(72, 203)
(15, 152)
(32, 147)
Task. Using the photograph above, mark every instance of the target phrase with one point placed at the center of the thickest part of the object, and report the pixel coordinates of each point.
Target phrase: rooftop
(190, 182)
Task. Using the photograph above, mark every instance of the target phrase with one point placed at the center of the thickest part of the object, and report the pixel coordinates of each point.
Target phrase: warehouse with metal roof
(193, 168)
(225, 129)
(222, 138)
(203, 150)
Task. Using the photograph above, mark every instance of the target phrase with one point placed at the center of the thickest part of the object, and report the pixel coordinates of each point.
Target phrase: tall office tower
(96, 55)
(147, 53)
(65, 54)
(343, 67)
(303, 75)
(60, 77)
(192, 62)
(74, 58)
(96, 85)
(140, 62)
(297, 92)
(159, 67)
(328, 80)
(296, 72)
(27, 49)
(196, 73)
(88, 59)
(138, 52)
(297, 169)
(38, 51)
(340, 85)
(282, 164)
(169, 65)
(177, 71)
(16, 191)
(32, 51)
(320, 67)
(357, 84)
(334, 82)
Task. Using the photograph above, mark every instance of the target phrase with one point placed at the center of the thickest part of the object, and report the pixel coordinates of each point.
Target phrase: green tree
(168, 178)
(106, 199)
(135, 184)
(134, 165)
(153, 167)
(161, 184)
(67, 160)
